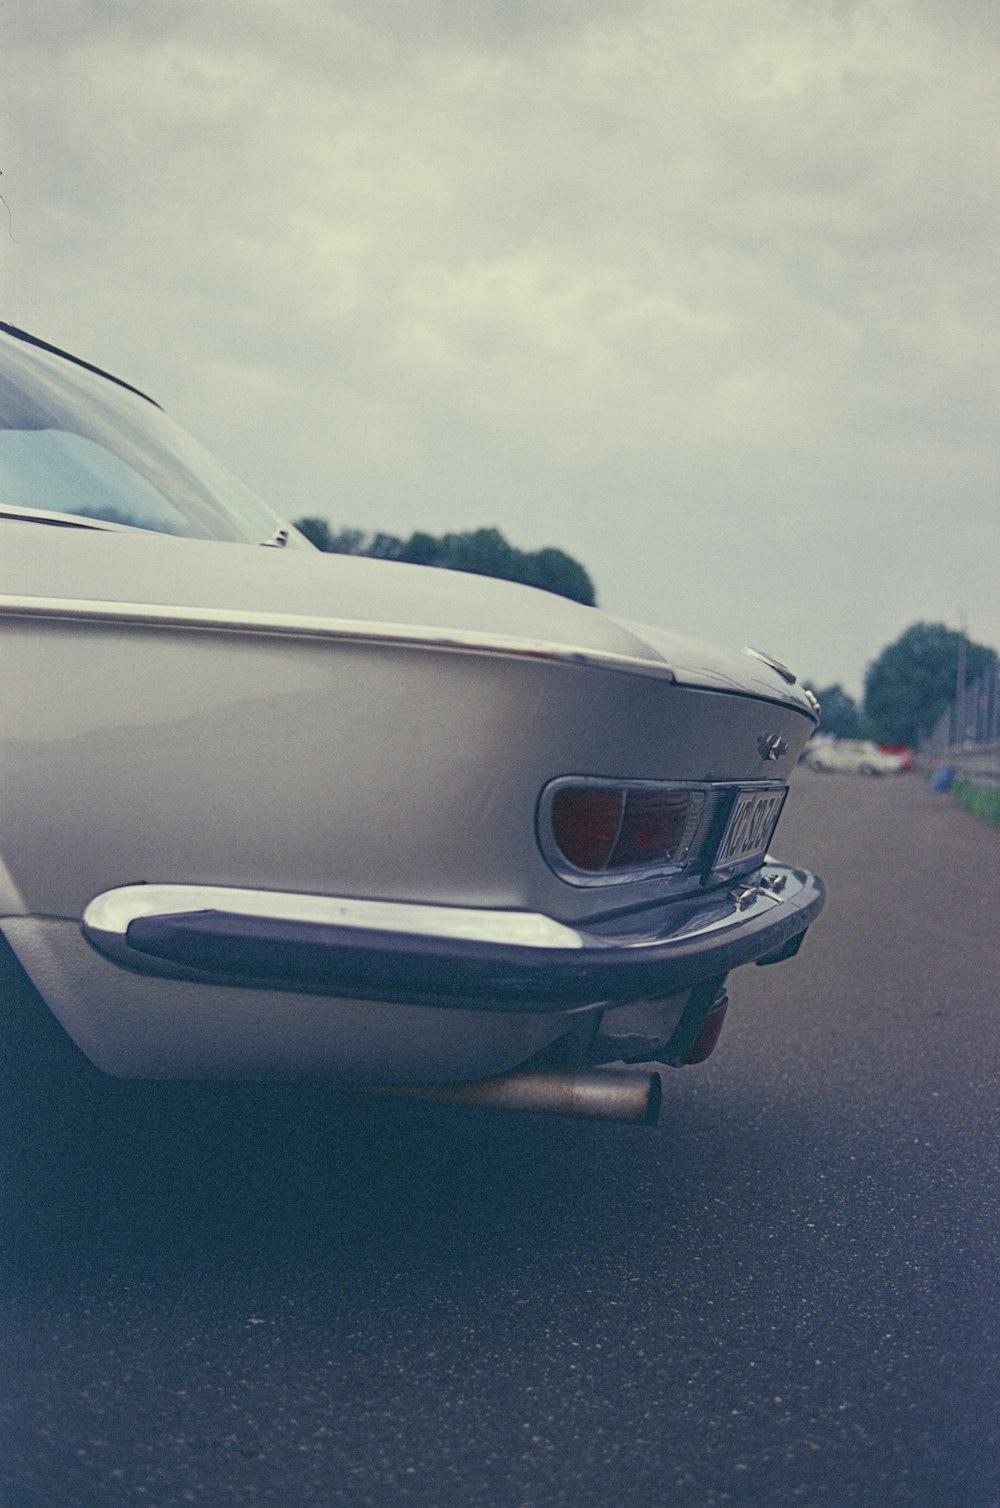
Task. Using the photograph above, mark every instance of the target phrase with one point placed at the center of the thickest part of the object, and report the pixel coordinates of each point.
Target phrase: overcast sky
(704, 292)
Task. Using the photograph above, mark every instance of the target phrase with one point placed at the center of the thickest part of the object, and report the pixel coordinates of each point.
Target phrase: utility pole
(961, 728)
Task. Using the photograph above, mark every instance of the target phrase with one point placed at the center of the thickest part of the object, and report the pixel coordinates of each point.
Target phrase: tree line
(483, 552)
(907, 687)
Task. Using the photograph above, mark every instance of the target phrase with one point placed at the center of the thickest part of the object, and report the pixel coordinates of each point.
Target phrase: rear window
(78, 443)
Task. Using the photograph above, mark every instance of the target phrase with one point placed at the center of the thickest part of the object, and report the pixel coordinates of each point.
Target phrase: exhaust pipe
(609, 1094)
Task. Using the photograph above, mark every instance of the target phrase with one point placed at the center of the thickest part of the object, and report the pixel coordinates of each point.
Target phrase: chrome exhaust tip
(610, 1094)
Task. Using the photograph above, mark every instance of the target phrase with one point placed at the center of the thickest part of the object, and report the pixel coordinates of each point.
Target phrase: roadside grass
(983, 801)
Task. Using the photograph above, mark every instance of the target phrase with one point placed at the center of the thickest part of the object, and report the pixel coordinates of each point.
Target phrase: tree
(914, 680)
(420, 549)
(319, 533)
(482, 552)
(840, 714)
(555, 571)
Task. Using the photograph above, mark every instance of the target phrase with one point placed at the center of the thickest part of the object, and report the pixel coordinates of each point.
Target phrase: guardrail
(967, 736)
(977, 763)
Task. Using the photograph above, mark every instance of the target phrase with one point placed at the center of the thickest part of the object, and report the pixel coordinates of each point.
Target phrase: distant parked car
(905, 753)
(857, 756)
(268, 812)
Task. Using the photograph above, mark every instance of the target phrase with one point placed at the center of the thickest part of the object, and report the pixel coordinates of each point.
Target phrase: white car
(854, 755)
(268, 812)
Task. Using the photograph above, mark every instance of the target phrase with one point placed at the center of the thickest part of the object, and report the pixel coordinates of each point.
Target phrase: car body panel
(341, 738)
(161, 1028)
(111, 730)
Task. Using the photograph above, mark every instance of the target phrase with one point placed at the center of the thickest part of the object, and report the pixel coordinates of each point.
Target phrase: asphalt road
(786, 1293)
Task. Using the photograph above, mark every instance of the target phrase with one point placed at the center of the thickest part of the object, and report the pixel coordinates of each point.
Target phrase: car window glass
(66, 473)
(75, 442)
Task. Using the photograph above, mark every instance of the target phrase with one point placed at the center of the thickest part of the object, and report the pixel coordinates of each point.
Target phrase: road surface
(786, 1293)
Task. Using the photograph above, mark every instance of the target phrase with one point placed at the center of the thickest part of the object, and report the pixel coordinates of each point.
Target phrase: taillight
(585, 824)
(656, 828)
(612, 827)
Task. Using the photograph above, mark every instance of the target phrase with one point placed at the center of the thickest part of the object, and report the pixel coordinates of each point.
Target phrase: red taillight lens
(585, 822)
(600, 828)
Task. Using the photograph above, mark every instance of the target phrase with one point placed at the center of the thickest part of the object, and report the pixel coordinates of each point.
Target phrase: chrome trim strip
(350, 630)
(788, 676)
(66, 520)
(78, 361)
(109, 916)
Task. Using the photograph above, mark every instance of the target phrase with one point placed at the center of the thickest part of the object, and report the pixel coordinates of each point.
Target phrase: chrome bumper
(511, 961)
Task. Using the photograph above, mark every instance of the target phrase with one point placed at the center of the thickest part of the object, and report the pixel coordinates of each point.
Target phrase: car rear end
(247, 837)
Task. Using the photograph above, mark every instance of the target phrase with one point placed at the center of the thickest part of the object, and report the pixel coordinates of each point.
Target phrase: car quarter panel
(140, 753)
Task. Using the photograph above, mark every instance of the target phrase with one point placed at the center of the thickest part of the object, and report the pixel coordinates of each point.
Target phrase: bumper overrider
(480, 959)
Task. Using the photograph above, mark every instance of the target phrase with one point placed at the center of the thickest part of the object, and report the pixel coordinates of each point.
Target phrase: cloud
(654, 282)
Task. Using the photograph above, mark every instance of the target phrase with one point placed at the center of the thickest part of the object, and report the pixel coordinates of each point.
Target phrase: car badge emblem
(771, 746)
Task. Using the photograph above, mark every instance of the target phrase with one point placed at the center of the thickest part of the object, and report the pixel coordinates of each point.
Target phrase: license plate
(749, 829)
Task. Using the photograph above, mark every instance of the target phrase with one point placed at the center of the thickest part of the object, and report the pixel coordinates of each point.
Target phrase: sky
(705, 294)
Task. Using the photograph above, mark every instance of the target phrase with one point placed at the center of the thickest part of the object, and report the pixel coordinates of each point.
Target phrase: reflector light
(611, 828)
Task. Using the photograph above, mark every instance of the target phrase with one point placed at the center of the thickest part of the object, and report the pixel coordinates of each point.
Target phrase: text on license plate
(749, 829)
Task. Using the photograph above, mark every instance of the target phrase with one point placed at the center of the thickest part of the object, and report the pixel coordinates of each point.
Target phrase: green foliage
(913, 681)
(319, 533)
(983, 801)
(840, 714)
(482, 552)
(555, 571)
